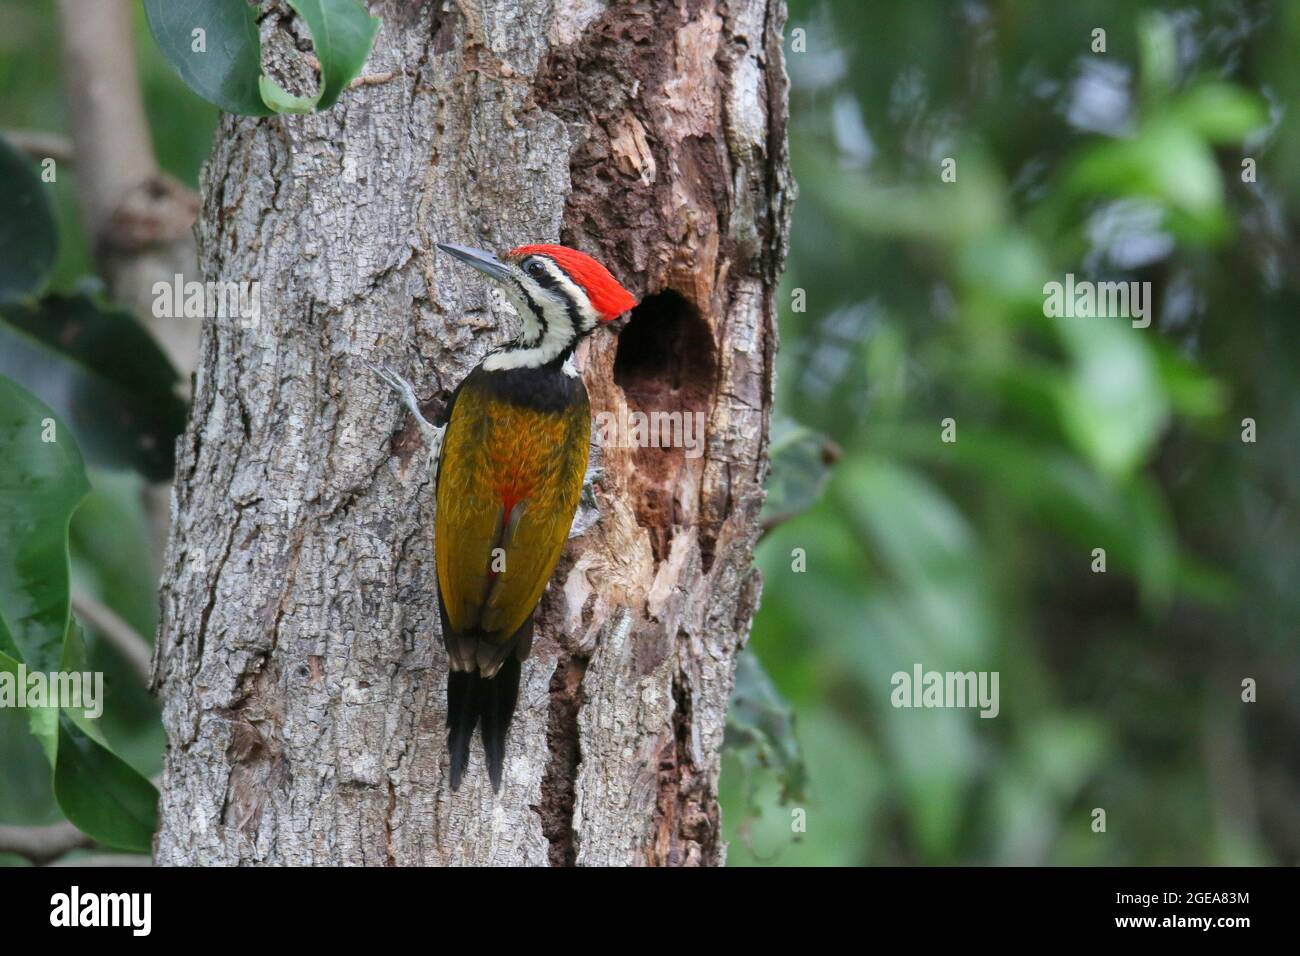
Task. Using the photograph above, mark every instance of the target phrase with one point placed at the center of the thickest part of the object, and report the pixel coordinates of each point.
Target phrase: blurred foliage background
(924, 301)
(910, 300)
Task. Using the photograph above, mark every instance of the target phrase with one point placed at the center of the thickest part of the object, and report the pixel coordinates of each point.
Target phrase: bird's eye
(535, 269)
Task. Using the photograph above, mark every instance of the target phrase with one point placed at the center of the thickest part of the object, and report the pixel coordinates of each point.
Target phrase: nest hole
(666, 357)
(667, 364)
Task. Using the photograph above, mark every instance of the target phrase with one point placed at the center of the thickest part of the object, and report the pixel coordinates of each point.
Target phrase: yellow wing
(509, 481)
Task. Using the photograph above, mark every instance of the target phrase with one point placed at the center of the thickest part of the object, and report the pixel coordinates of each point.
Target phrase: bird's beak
(484, 262)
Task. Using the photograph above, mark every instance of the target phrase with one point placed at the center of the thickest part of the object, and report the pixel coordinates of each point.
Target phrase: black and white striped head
(560, 294)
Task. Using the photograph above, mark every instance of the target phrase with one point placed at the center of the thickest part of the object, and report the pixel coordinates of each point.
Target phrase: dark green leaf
(101, 794)
(43, 722)
(74, 661)
(112, 551)
(103, 373)
(41, 484)
(227, 72)
(28, 240)
(1191, 390)
(760, 727)
(801, 461)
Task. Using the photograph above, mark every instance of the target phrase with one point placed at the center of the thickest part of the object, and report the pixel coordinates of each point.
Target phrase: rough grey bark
(298, 651)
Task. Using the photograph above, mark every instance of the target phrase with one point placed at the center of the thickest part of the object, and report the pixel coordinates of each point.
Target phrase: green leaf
(1220, 112)
(926, 556)
(41, 484)
(1007, 266)
(341, 31)
(8, 665)
(28, 239)
(760, 728)
(103, 373)
(43, 722)
(74, 662)
(1166, 161)
(101, 794)
(801, 461)
(282, 101)
(1112, 405)
(916, 529)
(1191, 391)
(226, 71)
(112, 550)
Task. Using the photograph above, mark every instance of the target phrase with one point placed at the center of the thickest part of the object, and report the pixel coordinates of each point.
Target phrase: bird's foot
(431, 433)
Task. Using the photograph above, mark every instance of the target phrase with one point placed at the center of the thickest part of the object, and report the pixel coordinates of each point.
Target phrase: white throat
(553, 311)
(537, 345)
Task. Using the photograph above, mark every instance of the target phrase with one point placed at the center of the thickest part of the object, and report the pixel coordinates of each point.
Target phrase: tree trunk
(299, 656)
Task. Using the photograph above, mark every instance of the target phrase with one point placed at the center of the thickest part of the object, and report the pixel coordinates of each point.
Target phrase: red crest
(609, 298)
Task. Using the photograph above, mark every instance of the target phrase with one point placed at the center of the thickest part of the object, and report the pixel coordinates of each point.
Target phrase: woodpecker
(508, 457)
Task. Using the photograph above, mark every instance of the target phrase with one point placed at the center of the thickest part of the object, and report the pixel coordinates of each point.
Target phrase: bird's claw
(431, 432)
(398, 384)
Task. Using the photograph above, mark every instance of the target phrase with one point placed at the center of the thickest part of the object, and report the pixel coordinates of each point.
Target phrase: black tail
(497, 706)
(471, 698)
(462, 715)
